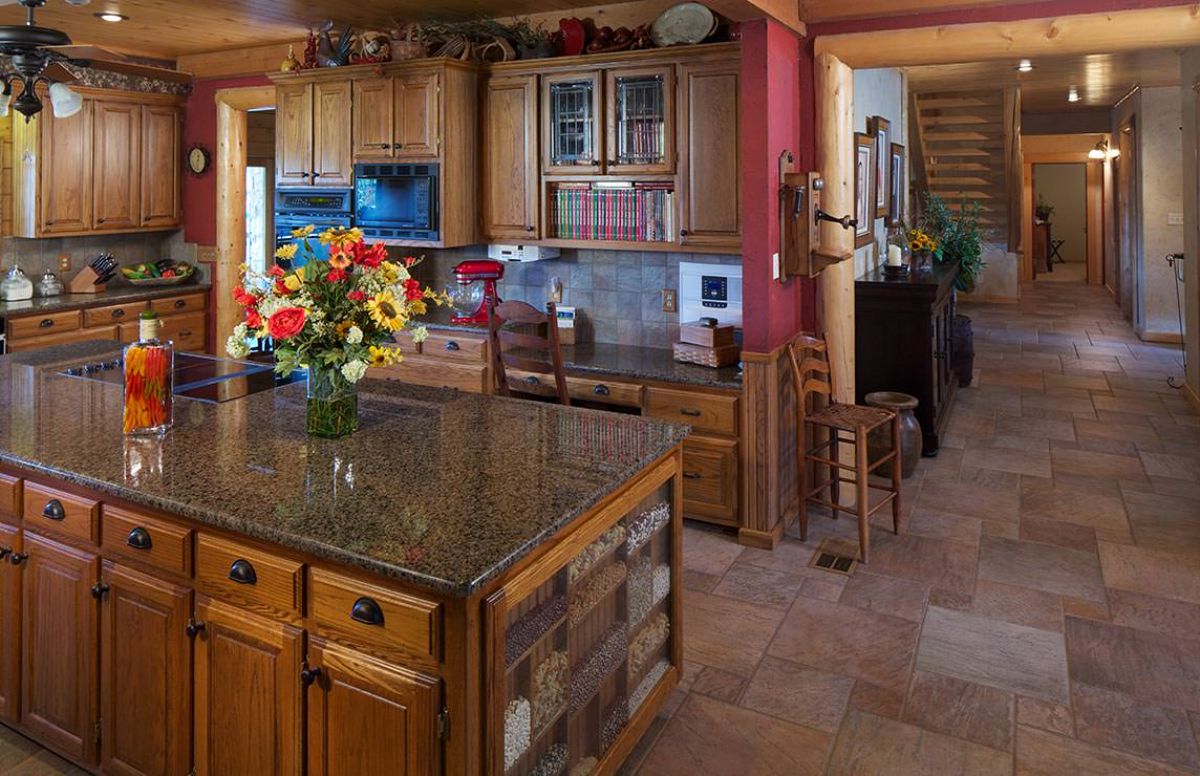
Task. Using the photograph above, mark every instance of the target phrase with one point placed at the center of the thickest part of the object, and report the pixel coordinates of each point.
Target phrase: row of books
(643, 212)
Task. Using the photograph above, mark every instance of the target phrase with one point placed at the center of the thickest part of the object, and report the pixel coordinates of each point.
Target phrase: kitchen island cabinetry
(328, 620)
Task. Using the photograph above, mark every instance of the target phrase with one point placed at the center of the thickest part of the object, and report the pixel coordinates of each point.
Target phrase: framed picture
(897, 192)
(864, 189)
(881, 129)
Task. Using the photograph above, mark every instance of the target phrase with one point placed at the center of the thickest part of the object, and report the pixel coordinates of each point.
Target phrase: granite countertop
(632, 361)
(111, 295)
(438, 488)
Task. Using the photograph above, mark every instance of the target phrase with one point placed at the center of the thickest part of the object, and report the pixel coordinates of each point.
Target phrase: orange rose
(287, 323)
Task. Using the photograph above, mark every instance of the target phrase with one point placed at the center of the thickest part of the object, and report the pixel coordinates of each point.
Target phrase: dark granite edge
(113, 295)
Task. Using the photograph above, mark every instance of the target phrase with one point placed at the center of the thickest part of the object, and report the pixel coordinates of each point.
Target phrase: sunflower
(339, 259)
(303, 231)
(384, 356)
(390, 272)
(343, 328)
(286, 251)
(340, 237)
(386, 311)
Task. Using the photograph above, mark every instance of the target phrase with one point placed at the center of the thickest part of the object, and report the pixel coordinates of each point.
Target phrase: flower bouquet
(336, 318)
(923, 246)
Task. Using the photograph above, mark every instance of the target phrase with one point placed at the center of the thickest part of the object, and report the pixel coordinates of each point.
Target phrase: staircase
(967, 149)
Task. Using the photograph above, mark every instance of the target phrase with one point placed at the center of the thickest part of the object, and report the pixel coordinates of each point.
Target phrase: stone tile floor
(1039, 613)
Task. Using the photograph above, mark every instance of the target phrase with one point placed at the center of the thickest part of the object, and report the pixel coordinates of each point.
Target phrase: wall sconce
(1102, 151)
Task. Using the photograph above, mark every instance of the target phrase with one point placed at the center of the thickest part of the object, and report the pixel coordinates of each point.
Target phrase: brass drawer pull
(242, 572)
(54, 510)
(366, 611)
(139, 539)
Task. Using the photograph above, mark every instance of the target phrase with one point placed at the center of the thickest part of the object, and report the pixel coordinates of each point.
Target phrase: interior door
(10, 623)
(374, 118)
(709, 106)
(418, 116)
(65, 195)
(510, 163)
(58, 646)
(248, 714)
(162, 163)
(332, 163)
(294, 134)
(145, 674)
(368, 718)
(116, 165)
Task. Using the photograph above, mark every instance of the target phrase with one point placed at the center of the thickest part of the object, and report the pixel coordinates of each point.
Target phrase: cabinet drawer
(37, 325)
(462, 347)
(366, 615)
(247, 575)
(604, 391)
(188, 331)
(436, 373)
(179, 304)
(63, 338)
(704, 412)
(10, 496)
(51, 509)
(117, 313)
(710, 479)
(151, 540)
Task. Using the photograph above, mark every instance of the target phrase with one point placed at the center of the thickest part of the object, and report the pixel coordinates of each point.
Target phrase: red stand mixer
(472, 299)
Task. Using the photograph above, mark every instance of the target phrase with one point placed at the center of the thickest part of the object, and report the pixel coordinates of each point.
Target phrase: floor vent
(835, 556)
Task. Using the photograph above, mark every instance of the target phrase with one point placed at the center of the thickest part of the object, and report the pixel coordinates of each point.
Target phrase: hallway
(1040, 614)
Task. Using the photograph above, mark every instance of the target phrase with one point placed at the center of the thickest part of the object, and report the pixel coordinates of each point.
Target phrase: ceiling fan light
(27, 103)
(65, 101)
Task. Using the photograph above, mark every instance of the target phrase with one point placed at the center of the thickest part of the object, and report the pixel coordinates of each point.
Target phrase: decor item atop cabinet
(130, 145)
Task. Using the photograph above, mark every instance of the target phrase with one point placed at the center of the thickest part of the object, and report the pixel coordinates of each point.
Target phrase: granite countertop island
(439, 489)
(114, 294)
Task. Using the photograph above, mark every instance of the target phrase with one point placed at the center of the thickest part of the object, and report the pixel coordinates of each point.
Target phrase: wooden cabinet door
(294, 134)
(571, 123)
(374, 118)
(510, 163)
(332, 165)
(248, 713)
(709, 139)
(640, 120)
(145, 675)
(710, 479)
(65, 202)
(162, 163)
(58, 646)
(369, 718)
(10, 624)
(418, 119)
(116, 165)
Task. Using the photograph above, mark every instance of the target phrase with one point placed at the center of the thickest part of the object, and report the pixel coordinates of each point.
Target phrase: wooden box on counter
(903, 342)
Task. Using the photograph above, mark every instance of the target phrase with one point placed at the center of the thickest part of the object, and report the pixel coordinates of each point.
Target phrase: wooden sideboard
(904, 342)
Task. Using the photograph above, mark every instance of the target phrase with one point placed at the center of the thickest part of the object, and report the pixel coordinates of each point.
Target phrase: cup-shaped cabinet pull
(45, 323)
(452, 346)
(601, 390)
(180, 304)
(690, 412)
(242, 572)
(532, 380)
(18, 558)
(310, 675)
(118, 313)
(139, 539)
(54, 510)
(366, 611)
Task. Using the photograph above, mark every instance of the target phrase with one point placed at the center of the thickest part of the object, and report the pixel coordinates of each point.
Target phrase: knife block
(84, 282)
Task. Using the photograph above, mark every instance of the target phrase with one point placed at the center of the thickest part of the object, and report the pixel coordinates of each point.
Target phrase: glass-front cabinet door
(641, 131)
(583, 646)
(571, 123)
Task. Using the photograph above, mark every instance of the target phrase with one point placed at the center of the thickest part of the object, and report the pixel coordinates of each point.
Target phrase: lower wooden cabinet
(58, 629)
(248, 712)
(10, 623)
(710, 479)
(145, 674)
(369, 718)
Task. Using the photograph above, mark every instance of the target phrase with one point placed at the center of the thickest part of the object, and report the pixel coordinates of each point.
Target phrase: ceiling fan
(28, 50)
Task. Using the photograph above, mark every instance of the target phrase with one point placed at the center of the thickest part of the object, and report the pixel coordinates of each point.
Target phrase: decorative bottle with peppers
(149, 372)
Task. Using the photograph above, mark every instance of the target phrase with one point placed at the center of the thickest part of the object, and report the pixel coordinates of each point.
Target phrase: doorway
(1127, 201)
(1060, 222)
(260, 189)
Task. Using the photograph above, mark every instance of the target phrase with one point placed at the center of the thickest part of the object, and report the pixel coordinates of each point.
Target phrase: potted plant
(958, 236)
(1042, 211)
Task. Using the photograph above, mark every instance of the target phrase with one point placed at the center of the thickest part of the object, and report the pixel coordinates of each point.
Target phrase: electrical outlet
(776, 269)
(670, 301)
(1174, 219)
(64, 262)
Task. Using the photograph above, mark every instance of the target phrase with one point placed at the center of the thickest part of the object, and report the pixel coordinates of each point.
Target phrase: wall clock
(198, 160)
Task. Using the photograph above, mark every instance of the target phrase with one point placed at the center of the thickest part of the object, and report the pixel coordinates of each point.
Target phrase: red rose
(356, 296)
(276, 271)
(281, 289)
(243, 298)
(336, 275)
(287, 323)
(253, 319)
(412, 289)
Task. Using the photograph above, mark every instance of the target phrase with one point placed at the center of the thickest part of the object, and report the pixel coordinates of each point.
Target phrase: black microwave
(397, 201)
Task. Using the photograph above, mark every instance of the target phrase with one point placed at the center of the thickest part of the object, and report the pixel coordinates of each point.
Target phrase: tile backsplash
(618, 294)
(39, 256)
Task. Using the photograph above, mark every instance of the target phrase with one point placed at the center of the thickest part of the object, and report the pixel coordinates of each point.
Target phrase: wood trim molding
(769, 448)
(1192, 397)
(1094, 188)
(1110, 32)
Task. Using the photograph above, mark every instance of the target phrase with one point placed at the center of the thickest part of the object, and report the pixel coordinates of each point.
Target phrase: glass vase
(332, 409)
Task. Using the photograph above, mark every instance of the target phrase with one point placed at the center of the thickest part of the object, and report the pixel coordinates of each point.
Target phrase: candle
(894, 254)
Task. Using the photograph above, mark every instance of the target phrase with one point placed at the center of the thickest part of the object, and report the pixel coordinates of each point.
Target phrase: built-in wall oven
(322, 208)
(397, 201)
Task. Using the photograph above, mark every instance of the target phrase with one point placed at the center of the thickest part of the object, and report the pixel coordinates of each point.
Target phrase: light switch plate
(1174, 219)
(776, 270)
(670, 301)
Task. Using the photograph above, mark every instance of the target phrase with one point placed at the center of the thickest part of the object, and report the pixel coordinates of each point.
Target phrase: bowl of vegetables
(164, 272)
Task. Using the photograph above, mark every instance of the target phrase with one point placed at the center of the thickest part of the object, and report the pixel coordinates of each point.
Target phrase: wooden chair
(521, 337)
(814, 377)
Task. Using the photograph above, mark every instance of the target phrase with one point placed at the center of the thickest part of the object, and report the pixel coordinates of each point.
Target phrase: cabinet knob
(242, 572)
(99, 589)
(45, 323)
(303, 175)
(366, 611)
(54, 510)
(316, 175)
(529, 229)
(139, 539)
(683, 233)
(18, 558)
(396, 146)
(310, 675)
(5, 552)
(194, 628)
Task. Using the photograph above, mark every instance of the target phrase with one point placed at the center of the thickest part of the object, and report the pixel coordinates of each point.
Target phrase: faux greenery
(958, 234)
(1043, 210)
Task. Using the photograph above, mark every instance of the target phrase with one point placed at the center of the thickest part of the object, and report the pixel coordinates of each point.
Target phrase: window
(257, 254)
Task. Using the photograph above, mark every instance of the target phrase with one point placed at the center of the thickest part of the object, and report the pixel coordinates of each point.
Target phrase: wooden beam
(1095, 221)
(1117, 31)
(253, 60)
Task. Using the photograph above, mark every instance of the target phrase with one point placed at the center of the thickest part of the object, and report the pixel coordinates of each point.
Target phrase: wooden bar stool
(521, 337)
(812, 375)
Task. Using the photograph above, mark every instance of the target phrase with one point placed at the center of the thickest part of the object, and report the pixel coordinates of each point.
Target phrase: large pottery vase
(879, 443)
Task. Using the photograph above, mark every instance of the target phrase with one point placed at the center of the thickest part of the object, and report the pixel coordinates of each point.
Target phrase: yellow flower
(386, 311)
(385, 356)
(287, 251)
(390, 272)
(292, 282)
(343, 328)
(303, 231)
(341, 237)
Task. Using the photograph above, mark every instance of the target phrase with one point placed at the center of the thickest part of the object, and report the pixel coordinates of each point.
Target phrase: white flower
(354, 336)
(419, 334)
(354, 370)
(236, 346)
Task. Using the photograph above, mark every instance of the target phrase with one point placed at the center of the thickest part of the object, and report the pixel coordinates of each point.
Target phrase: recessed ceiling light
(1073, 95)
(1024, 66)
(112, 16)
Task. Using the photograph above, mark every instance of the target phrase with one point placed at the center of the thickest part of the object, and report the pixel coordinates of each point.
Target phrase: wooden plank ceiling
(816, 11)
(1101, 79)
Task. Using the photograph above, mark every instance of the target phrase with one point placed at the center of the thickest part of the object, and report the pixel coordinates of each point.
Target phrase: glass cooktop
(197, 376)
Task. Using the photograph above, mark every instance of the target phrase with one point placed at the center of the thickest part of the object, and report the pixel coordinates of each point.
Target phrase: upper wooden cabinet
(640, 118)
(397, 117)
(312, 134)
(709, 176)
(571, 123)
(129, 143)
(510, 158)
